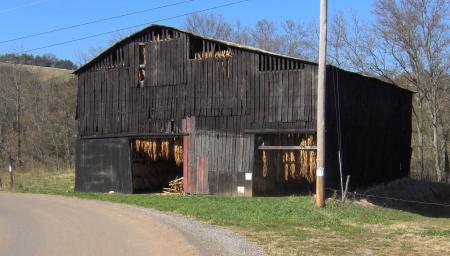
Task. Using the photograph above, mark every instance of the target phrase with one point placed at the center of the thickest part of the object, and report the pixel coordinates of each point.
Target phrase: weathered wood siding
(258, 91)
(219, 160)
(228, 98)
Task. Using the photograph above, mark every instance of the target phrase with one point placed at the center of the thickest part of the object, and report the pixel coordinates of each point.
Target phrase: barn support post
(187, 179)
(320, 173)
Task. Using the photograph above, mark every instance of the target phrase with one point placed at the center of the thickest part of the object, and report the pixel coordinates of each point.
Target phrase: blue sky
(23, 17)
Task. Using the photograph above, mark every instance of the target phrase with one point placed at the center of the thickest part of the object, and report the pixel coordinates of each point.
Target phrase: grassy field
(284, 225)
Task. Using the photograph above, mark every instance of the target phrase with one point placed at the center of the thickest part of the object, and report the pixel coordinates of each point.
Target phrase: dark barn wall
(231, 93)
(375, 127)
(103, 165)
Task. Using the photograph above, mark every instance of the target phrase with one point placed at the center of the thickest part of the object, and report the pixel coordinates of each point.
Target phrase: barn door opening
(285, 164)
(155, 163)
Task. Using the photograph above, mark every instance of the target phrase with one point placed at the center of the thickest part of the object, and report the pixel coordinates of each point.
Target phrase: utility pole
(320, 173)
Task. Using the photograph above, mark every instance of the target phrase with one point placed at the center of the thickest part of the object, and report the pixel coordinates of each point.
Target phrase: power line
(23, 6)
(94, 21)
(130, 27)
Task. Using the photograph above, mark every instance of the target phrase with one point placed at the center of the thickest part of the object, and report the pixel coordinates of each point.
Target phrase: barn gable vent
(200, 49)
(274, 63)
(142, 64)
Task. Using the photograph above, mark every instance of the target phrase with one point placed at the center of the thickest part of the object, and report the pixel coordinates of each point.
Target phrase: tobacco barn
(164, 103)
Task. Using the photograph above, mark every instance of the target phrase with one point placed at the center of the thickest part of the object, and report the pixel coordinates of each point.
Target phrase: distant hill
(47, 98)
(44, 73)
(46, 60)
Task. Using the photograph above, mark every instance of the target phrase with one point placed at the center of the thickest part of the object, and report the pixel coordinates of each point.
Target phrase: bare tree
(289, 37)
(210, 24)
(297, 40)
(416, 34)
(264, 35)
(241, 34)
(336, 41)
(15, 80)
(37, 124)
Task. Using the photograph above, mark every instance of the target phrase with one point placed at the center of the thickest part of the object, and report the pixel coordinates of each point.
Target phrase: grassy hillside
(44, 73)
(284, 225)
(47, 100)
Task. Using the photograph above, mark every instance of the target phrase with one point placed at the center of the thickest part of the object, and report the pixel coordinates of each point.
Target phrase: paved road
(50, 225)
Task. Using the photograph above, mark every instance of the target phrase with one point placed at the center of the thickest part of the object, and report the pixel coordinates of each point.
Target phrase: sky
(24, 17)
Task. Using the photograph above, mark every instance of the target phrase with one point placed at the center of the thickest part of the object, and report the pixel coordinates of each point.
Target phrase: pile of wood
(175, 187)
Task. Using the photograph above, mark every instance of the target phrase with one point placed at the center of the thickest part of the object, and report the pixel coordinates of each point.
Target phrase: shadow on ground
(422, 197)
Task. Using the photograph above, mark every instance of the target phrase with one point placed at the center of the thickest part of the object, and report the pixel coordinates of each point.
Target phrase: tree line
(45, 60)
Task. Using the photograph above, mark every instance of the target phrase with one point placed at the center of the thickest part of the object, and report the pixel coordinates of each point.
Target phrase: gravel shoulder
(212, 239)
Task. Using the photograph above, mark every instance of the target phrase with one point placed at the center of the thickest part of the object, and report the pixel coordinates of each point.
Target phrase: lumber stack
(175, 187)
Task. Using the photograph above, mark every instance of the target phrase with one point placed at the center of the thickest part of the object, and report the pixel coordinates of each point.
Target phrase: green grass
(283, 225)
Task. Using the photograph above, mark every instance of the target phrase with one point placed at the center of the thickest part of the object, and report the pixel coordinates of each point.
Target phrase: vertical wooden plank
(95, 102)
(252, 86)
(271, 89)
(88, 101)
(314, 97)
(265, 90)
(209, 86)
(163, 63)
(111, 99)
(81, 102)
(103, 76)
(278, 82)
(234, 88)
(306, 100)
(133, 82)
(286, 96)
(216, 84)
(198, 69)
(117, 103)
(290, 82)
(101, 102)
(259, 104)
(128, 97)
(169, 62)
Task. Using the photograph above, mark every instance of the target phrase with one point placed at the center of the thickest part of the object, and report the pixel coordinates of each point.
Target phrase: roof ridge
(228, 43)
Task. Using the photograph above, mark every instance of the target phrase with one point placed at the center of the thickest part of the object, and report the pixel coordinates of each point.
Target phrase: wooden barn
(164, 103)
